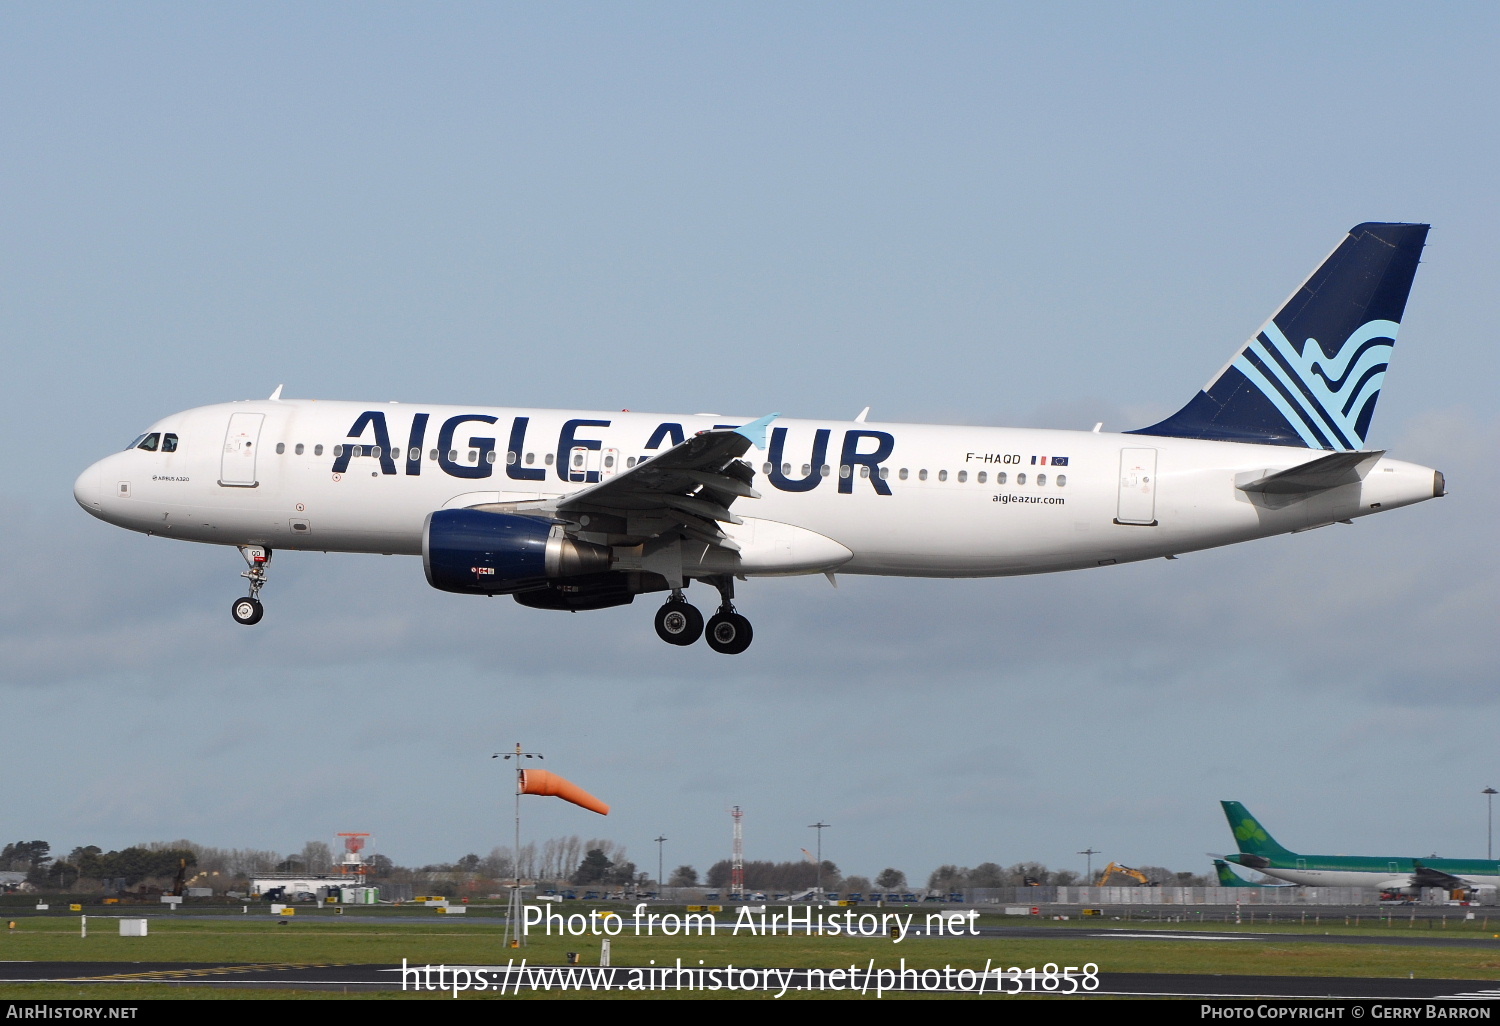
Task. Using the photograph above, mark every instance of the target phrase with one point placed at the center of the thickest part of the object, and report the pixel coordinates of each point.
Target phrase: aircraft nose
(87, 491)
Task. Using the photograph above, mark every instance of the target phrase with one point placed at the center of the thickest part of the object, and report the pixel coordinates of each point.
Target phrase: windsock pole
(514, 936)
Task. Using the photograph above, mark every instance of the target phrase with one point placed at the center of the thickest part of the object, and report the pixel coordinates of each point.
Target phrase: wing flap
(689, 487)
(701, 508)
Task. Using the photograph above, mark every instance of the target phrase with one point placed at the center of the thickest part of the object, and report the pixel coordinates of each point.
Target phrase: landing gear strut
(677, 622)
(728, 632)
(248, 610)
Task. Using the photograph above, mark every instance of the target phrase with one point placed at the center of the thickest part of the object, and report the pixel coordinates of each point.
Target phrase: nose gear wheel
(247, 611)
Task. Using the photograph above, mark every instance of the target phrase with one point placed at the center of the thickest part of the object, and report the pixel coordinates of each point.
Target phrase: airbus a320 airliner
(567, 509)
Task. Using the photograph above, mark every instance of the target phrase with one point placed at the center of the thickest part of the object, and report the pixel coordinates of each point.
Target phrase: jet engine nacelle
(472, 552)
(595, 591)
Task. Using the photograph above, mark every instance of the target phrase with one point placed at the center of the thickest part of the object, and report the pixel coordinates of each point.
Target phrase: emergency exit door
(1137, 502)
(237, 465)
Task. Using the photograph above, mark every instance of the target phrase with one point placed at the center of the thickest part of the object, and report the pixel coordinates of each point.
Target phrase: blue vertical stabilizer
(1312, 374)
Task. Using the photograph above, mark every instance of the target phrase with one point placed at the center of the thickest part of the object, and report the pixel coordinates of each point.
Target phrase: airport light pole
(1088, 874)
(661, 885)
(1489, 847)
(819, 827)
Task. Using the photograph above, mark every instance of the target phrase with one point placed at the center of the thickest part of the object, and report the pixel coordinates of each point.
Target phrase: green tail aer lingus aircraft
(1228, 877)
(1259, 851)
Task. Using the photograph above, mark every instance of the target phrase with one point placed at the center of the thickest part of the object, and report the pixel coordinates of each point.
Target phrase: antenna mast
(737, 862)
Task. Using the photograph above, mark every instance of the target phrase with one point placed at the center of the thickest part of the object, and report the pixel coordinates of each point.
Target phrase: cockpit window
(150, 442)
(169, 442)
(137, 441)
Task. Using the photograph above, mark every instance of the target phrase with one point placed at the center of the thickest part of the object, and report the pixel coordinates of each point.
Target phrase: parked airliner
(569, 509)
(1259, 851)
(1229, 878)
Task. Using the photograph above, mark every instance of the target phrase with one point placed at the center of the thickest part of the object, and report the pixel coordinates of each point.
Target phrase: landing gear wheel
(729, 633)
(247, 611)
(678, 623)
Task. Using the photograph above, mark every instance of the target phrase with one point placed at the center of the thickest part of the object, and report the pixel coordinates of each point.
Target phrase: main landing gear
(678, 623)
(248, 610)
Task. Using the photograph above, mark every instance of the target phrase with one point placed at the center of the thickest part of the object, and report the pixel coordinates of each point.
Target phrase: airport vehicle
(1260, 852)
(577, 510)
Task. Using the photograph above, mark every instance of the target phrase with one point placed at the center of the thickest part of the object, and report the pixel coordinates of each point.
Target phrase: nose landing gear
(248, 610)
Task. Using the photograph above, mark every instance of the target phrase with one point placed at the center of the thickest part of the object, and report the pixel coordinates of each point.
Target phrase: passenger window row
(377, 452)
(982, 477)
(167, 442)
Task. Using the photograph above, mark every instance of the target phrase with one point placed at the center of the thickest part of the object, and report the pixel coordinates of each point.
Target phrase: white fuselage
(894, 499)
(1394, 875)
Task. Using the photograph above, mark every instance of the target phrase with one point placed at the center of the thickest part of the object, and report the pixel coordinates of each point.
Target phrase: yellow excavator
(1115, 869)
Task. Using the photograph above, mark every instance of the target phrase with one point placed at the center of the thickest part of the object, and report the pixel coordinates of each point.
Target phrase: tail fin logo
(1327, 399)
(1311, 376)
(1249, 830)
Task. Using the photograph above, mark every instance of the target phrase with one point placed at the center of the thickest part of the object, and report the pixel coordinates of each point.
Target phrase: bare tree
(947, 878)
(317, 857)
(498, 865)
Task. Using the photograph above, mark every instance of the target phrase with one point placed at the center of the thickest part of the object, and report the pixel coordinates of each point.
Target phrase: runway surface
(518, 978)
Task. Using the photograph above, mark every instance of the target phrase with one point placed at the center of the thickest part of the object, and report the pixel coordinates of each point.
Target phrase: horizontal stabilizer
(1331, 471)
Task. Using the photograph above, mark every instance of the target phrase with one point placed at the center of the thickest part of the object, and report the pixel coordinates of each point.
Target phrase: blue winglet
(756, 430)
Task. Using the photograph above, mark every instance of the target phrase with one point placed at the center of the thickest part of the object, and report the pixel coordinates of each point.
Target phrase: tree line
(115, 869)
(557, 862)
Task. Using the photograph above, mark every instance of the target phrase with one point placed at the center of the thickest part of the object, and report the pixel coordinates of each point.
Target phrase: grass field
(387, 936)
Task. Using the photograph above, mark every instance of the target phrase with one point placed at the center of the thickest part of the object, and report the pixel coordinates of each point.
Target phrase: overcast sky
(964, 213)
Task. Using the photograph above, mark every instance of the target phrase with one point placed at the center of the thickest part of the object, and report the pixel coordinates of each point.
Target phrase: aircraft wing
(688, 488)
(1426, 876)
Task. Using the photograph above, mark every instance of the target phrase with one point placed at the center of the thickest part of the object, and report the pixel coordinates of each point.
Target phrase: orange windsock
(537, 781)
